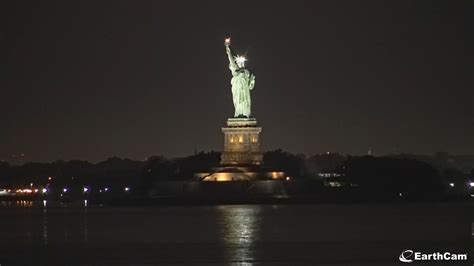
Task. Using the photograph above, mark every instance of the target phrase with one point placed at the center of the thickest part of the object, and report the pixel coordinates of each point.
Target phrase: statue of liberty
(242, 83)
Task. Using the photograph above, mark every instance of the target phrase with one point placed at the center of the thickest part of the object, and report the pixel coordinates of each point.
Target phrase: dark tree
(392, 176)
(200, 162)
(292, 165)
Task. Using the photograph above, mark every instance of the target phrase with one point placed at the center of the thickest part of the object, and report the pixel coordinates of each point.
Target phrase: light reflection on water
(240, 227)
(42, 203)
(41, 221)
(234, 225)
(45, 223)
(233, 229)
(239, 224)
(212, 234)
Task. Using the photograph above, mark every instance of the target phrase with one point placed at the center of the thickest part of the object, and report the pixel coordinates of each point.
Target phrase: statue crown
(240, 60)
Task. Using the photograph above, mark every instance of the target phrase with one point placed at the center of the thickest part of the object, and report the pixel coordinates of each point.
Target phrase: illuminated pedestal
(241, 158)
(241, 142)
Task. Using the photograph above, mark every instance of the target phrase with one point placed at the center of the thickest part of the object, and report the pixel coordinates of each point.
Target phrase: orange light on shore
(222, 177)
(26, 190)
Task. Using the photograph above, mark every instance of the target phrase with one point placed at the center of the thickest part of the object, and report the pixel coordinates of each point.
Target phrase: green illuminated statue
(242, 83)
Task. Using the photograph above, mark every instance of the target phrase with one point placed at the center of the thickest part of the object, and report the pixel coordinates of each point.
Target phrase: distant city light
(106, 189)
(44, 190)
(127, 189)
(471, 184)
(288, 178)
(85, 189)
(31, 184)
(26, 190)
(44, 203)
(65, 190)
(451, 184)
(36, 190)
(85, 203)
(400, 194)
(100, 190)
(49, 178)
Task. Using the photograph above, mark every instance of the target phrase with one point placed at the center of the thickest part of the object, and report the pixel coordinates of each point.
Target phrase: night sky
(93, 79)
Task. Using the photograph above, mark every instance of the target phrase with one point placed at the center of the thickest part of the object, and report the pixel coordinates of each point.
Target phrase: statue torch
(227, 41)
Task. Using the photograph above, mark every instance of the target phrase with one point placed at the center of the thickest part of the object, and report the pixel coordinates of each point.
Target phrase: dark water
(32, 234)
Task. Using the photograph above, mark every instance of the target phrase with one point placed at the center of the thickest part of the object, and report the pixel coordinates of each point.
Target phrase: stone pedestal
(241, 158)
(241, 142)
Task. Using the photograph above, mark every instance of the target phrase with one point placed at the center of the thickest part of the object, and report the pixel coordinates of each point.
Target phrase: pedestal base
(240, 173)
(241, 142)
(241, 159)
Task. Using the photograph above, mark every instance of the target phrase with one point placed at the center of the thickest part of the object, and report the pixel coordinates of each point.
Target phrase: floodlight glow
(106, 189)
(451, 184)
(64, 190)
(471, 184)
(44, 190)
(127, 189)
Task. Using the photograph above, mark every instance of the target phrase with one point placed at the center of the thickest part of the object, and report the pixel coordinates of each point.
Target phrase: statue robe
(242, 83)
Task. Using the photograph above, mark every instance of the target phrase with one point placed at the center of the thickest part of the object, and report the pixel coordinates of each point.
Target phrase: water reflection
(24, 203)
(45, 223)
(85, 224)
(240, 227)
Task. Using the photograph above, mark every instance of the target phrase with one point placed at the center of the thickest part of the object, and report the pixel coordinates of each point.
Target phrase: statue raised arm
(232, 64)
